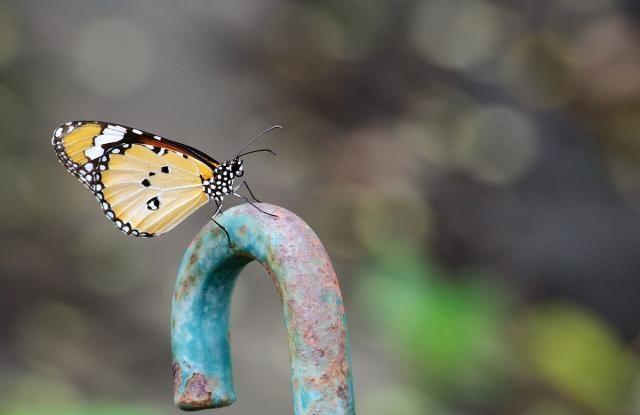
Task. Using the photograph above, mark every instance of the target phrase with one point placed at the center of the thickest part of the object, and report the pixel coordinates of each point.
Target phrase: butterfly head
(236, 167)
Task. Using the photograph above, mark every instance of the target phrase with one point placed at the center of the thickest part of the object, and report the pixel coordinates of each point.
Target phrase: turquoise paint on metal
(314, 315)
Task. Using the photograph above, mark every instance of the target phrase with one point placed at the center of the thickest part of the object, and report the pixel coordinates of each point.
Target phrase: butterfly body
(221, 184)
(145, 184)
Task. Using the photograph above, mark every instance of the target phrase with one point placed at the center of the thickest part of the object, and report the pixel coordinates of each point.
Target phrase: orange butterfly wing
(145, 184)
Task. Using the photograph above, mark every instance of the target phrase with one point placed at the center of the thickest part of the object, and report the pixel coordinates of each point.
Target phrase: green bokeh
(451, 331)
(574, 352)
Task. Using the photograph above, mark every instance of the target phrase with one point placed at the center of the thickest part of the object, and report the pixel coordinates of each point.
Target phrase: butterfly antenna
(268, 150)
(257, 137)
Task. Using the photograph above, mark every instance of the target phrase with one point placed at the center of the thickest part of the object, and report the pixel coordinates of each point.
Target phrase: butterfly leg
(244, 182)
(213, 218)
(246, 199)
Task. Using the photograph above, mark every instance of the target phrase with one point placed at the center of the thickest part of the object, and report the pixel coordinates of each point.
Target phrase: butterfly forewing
(71, 142)
(145, 184)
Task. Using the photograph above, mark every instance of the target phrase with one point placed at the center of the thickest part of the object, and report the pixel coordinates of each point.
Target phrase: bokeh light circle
(498, 144)
(458, 34)
(536, 70)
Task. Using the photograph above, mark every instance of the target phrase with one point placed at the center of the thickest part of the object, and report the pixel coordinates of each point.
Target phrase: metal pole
(314, 315)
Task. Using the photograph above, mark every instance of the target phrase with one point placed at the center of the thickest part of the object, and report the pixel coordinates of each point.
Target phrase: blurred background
(472, 166)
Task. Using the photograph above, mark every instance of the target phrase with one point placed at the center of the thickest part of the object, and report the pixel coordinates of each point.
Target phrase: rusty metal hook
(314, 315)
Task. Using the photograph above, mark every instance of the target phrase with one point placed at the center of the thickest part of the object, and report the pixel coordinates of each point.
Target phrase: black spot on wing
(153, 203)
(165, 169)
(145, 183)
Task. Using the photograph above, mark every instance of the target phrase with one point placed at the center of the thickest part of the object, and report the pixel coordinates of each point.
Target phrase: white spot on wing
(104, 139)
(59, 132)
(88, 166)
(94, 152)
(117, 128)
(136, 131)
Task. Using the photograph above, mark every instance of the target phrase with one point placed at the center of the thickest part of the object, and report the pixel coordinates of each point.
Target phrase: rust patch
(177, 378)
(196, 244)
(185, 286)
(243, 230)
(274, 278)
(197, 393)
(344, 395)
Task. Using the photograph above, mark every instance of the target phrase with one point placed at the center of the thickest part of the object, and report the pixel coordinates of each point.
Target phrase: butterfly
(147, 184)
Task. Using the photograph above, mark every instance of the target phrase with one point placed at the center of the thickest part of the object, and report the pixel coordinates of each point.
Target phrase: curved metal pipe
(314, 315)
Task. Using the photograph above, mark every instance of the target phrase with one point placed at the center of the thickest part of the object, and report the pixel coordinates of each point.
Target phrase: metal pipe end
(200, 392)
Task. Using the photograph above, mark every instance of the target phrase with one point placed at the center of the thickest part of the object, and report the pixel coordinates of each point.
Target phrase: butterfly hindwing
(145, 184)
(147, 193)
